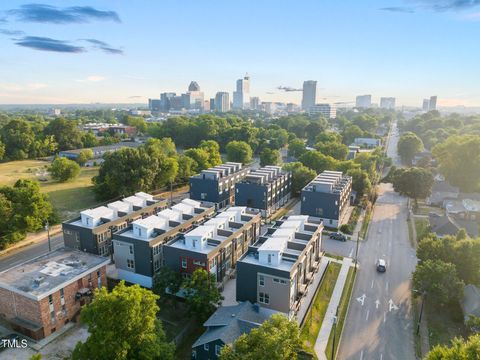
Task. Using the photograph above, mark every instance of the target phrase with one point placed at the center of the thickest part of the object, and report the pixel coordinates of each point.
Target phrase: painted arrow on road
(391, 305)
(361, 299)
(377, 303)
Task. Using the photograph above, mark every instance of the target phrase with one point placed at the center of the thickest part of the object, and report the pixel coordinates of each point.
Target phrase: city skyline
(99, 51)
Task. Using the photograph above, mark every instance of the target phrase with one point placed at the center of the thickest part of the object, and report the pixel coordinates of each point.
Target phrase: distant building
(269, 107)
(212, 104)
(42, 295)
(216, 185)
(255, 103)
(241, 96)
(283, 266)
(139, 248)
(309, 94)
(426, 104)
(98, 151)
(138, 112)
(432, 105)
(327, 197)
(363, 101)
(215, 245)
(155, 105)
(367, 142)
(193, 86)
(194, 97)
(165, 101)
(266, 189)
(55, 112)
(291, 107)
(226, 325)
(387, 103)
(92, 231)
(222, 102)
(328, 111)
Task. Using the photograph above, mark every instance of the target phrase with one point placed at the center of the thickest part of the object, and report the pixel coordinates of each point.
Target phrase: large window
(184, 263)
(130, 264)
(264, 298)
(261, 280)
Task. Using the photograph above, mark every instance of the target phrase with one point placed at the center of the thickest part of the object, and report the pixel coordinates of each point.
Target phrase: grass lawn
(68, 198)
(342, 312)
(311, 327)
(422, 227)
(444, 323)
(366, 221)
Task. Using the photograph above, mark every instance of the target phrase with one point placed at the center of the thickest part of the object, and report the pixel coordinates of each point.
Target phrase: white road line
(361, 355)
(384, 316)
(381, 356)
(368, 313)
(372, 285)
(386, 286)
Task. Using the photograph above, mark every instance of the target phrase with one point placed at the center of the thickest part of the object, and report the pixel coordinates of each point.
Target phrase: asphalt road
(28, 252)
(379, 323)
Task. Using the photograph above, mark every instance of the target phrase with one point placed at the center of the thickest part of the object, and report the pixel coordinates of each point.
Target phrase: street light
(334, 334)
(356, 252)
(424, 294)
(47, 228)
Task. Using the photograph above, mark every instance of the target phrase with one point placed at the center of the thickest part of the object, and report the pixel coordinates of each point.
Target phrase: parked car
(381, 265)
(338, 236)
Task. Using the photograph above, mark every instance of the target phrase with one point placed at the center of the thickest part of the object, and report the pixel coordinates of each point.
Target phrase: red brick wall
(39, 311)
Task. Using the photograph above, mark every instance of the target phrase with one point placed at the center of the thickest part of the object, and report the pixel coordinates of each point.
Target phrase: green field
(311, 327)
(68, 198)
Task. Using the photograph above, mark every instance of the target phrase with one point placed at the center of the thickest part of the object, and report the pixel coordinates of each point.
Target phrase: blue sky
(128, 51)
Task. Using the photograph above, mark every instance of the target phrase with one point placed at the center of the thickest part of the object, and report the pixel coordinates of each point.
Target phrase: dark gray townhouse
(217, 184)
(282, 266)
(92, 231)
(139, 248)
(215, 245)
(327, 197)
(266, 189)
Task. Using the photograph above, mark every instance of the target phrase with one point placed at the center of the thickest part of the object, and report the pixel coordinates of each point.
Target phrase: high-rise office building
(254, 103)
(194, 97)
(387, 103)
(426, 104)
(433, 103)
(241, 96)
(363, 101)
(165, 100)
(193, 86)
(328, 111)
(222, 101)
(309, 94)
(212, 104)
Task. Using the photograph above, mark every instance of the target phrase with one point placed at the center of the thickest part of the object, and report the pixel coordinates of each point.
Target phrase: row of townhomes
(267, 189)
(280, 273)
(92, 231)
(327, 197)
(216, 185)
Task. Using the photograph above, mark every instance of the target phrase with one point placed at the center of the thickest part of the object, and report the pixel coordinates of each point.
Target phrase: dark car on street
(338, 236)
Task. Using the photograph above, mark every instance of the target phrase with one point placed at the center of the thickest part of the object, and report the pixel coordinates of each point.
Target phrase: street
(379, 321)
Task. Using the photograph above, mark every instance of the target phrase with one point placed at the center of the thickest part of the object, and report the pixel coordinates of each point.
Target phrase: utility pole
(356, 252)
(47, 228)
(421, 312)
(334, 334)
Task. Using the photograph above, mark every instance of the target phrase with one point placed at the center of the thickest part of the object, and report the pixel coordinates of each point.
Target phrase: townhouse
(216, 244)
(139, 248)
(92, 230)
(266, 189)
(282, 267)
(216, 185)
(327, 197)
(41, 295)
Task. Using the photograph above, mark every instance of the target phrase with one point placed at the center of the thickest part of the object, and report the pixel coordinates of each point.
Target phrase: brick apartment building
(41, 295)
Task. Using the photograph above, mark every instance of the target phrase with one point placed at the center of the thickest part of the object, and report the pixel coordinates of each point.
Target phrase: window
(199, 263)
(50, 299)
(218, 348)
(283, 281)
(269, 258)
(206, 347)
(156, 265)
(264, 298)
(130, 264)
(261, 280)
(131, 246)
(184, 263)
(203, 196)
(276, 280)
(319, 211)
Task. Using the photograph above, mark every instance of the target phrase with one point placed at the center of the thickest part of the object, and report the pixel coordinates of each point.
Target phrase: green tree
(63, 169)
(138, 122)
(459, 350)
(200, 157)
(276, 339)
(350, 133)
(473, 323)
(413, 182)
(84, 156)
(439, 280)
(89, 139)
(213, 150)
(186, 168)
(2, 151)
(360, 182)
(458, 160)
(123, 325)
(270, 157)
(167, 279)
(317, 161)
(408, 145)
(66, 133)
(18, 138)
(202, 294)
(296, 148)
(336, 150)
(301, 175)
(239, 151)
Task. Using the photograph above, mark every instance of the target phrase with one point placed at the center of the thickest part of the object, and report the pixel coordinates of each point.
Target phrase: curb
(26, 242)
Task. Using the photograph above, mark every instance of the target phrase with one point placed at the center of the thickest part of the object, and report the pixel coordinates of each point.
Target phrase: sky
(123, 51)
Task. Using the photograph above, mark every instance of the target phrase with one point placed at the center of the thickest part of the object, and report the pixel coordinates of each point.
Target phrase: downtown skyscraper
(241, 97)
(309, 94)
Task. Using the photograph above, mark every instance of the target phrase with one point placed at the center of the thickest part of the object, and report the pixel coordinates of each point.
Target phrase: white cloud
(93, 78)
(19, 87)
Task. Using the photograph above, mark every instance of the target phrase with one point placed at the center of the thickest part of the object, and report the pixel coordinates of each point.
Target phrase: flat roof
(46, 274)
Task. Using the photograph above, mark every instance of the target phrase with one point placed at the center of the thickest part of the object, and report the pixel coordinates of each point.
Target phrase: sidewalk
(326, 328)
(33, 238)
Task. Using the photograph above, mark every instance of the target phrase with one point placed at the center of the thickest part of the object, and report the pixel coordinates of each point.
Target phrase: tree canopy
(63, 169)
(414, 182)
(239, 151)
(270, 157)
(459, 350)
(408, 145)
